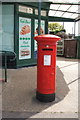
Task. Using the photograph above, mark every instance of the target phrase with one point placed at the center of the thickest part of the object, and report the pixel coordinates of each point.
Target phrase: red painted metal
(46, 63)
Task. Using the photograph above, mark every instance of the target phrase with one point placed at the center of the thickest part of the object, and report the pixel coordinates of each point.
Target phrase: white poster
(36, 34)
(24, 38)
(47, 60)
(42, 31)
(42, 27)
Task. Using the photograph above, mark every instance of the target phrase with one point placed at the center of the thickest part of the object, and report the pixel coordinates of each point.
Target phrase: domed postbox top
(47, 37)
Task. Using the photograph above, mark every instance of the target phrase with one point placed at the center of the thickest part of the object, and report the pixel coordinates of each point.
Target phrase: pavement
(19, 93)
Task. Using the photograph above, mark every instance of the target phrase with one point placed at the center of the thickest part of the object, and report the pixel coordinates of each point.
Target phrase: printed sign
(47, 60)
(42, 30)
(42, 27)
(24, 38)
(36, 34)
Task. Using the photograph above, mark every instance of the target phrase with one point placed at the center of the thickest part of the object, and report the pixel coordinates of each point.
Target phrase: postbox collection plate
(47, 60)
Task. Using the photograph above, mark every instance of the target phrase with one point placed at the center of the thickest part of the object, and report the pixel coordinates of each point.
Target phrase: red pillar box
(46, 67)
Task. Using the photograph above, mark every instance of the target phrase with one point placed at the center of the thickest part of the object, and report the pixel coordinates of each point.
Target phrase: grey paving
(18, 94)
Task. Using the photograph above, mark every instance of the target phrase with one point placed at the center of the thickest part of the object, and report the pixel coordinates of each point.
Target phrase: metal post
(63, 28)
(74, 28)
(39, 16)
(5, 67)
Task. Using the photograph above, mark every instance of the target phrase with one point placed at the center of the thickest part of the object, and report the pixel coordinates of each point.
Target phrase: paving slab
(19, 93)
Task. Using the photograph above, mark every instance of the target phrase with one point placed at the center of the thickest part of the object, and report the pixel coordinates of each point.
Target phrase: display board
(24, 38)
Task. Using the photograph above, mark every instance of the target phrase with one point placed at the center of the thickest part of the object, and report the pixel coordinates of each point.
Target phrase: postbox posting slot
(49, 49)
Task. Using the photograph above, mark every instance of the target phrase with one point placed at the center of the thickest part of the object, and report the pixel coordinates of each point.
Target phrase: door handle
(52, 73)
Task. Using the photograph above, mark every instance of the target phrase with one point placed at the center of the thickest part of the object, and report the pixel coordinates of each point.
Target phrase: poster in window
(42, 31)
(24, 38)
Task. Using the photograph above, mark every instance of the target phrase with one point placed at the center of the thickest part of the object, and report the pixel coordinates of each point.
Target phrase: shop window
(8, 28)
(25, 9)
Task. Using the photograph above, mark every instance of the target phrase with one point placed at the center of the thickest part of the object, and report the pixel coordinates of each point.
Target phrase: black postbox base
(45, 97)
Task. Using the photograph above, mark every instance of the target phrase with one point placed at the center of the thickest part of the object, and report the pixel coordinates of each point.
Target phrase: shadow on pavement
(18, 98)
(61, 85)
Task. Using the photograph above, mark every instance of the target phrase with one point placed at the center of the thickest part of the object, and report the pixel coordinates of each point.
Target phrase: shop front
(20, 25)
